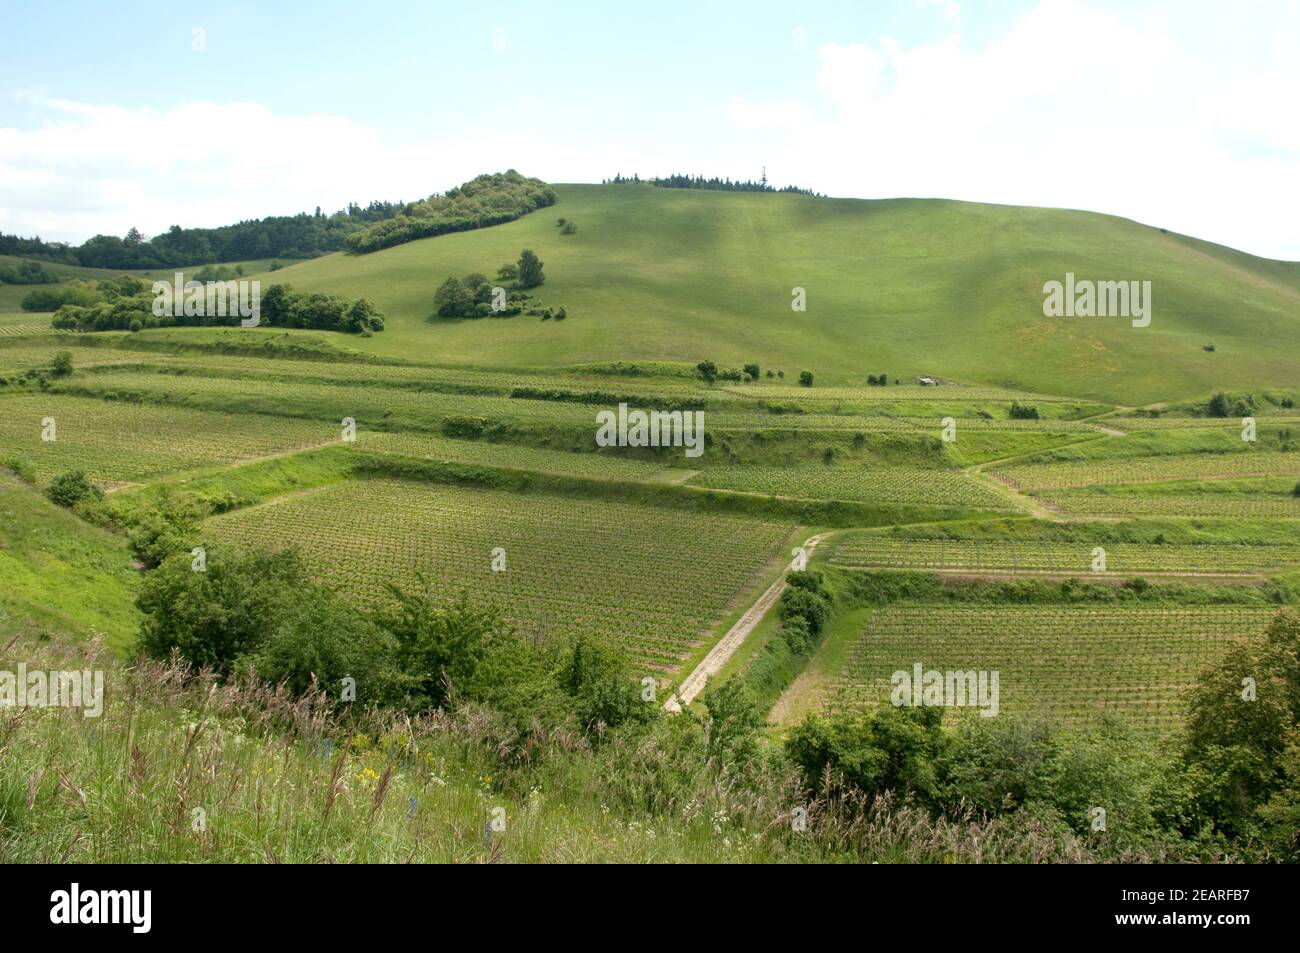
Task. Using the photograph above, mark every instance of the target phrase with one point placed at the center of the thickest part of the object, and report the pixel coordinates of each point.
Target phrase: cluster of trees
(485, 200)
(1221, 406)
(878, 380)
(26, 273)
(475, 297)
(710, 372)
(567, 226)
(1021, 411)
(804, 609)
(127, 304)
(283, 307)
(53, 297)
(679, 181)
(250, 610)
(285, 236)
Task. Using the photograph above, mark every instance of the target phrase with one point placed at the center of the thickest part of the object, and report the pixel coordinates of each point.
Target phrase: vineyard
(599, 466)
(118, 443)
(1068, 664)
(649, 580)
(1240, 505)
(870, 551)
(1154, 469)
(853, 482)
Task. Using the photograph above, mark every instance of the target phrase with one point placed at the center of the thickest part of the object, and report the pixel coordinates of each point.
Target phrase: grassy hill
(904, 286)
(61, 574)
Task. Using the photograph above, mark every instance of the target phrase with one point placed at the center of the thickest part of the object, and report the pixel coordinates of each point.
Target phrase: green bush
(69, 489)
(61, 366)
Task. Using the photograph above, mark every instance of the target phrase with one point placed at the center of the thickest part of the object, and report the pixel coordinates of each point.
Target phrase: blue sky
(1178, 114)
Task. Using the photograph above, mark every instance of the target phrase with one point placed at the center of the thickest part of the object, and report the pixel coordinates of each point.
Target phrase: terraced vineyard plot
(646, 578)
(377, 406)
(847, 482)
(1050, 476)
(117, 442)
(870, 551)
(23, 330)
(1195, 423)
(1163, 504)
(947, 392)
(1070, 664)
(600, 466)
(20, 358)
(981, 425)
(368, 405)
(413, 376)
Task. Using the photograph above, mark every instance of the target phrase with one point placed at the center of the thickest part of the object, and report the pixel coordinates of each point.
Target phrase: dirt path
(726, 647)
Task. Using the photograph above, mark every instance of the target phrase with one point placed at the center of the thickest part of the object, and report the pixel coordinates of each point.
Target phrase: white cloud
(1070, 107)
(93, 168)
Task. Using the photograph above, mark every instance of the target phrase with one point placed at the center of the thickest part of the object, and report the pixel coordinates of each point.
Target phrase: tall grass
(181, 769)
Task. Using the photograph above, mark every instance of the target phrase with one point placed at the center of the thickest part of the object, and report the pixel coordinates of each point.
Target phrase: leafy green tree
(326, 640)
(708, 371)
(218, 616)
(886, 749)
(998, 764)
(453, 299)
(442, 648)
(1241, 718)
(734, 722)
(162, 529)
(805, 379)
(1219, 406)
(530, 269)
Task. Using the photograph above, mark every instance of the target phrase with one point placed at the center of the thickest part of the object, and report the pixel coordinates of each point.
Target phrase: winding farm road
(726, 647)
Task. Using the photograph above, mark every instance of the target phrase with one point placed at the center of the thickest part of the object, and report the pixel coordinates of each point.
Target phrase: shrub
(217, 617)
(71, 488)
(324, 640)
(1218, 406)
(805, 379)
(888, 749)
(605, 694)
(61, 366)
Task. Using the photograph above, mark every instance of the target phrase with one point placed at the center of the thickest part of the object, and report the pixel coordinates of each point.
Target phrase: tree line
(127, 304)
(281, 236)
(679, 181)
(485, 200)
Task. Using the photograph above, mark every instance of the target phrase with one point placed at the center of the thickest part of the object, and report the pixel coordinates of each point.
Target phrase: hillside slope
(903, 286)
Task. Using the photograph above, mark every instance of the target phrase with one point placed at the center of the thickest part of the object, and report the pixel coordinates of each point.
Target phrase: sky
(1184, 115)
